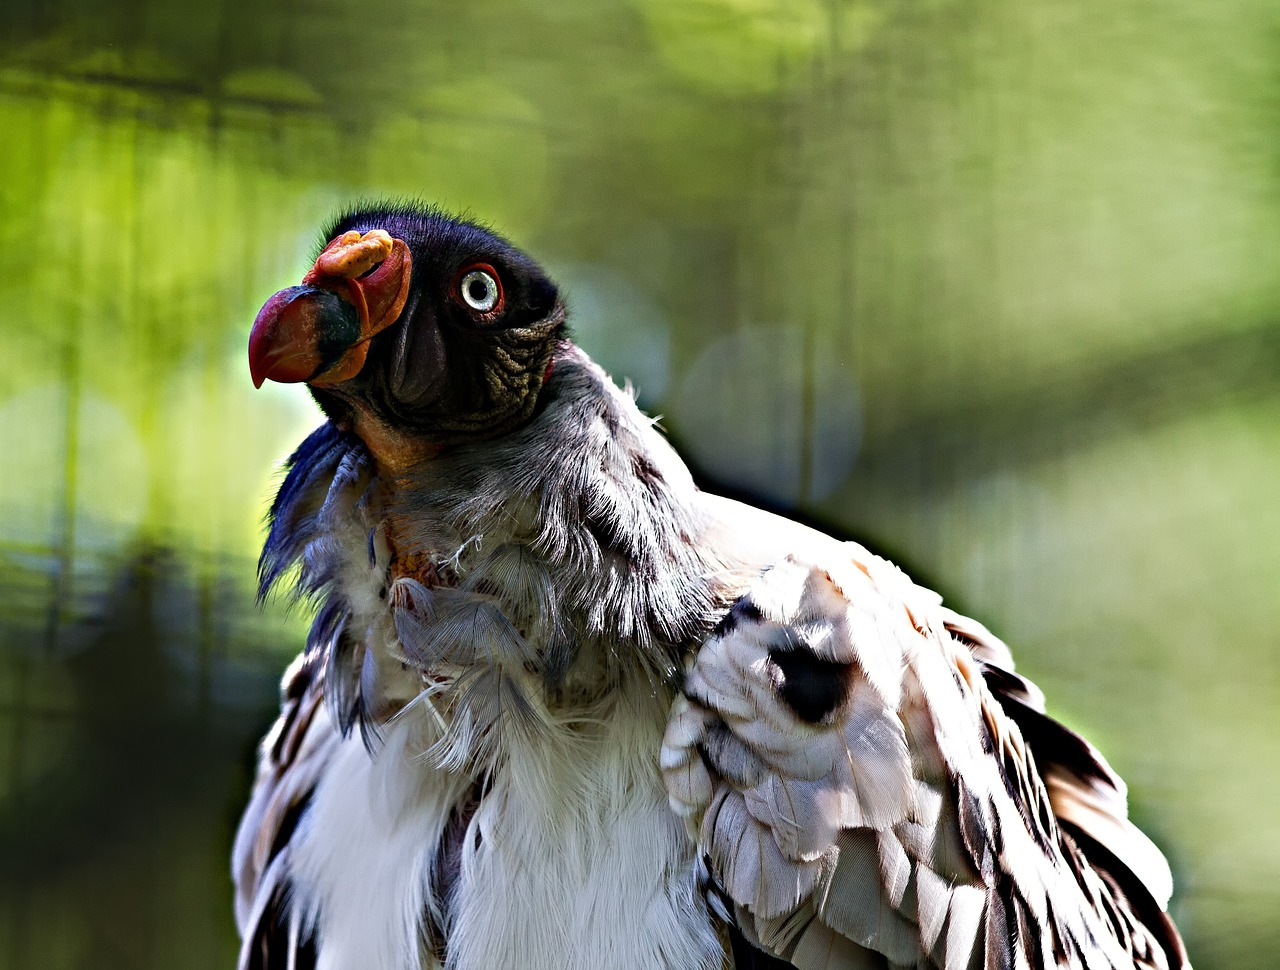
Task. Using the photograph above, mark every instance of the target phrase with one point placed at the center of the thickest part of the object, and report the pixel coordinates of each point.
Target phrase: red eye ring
(478, 287)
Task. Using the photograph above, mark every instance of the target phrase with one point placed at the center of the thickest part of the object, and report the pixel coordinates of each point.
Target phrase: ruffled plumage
(863, 778)
(874, 786)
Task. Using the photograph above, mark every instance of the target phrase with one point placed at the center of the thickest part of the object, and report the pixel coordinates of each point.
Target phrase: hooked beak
(319, 332)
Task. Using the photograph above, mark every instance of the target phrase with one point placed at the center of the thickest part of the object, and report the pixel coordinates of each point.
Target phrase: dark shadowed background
(992, 287)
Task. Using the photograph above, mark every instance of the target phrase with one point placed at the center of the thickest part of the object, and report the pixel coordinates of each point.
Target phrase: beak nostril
(385, 286)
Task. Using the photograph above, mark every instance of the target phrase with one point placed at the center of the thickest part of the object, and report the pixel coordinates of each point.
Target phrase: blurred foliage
(1017, 260)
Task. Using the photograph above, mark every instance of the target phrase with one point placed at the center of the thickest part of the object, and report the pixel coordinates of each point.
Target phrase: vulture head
(413, 329)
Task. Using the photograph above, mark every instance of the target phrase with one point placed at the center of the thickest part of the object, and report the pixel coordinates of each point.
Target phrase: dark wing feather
(275, 942)
(1090, 803)
(292, 758)
(1085, 792)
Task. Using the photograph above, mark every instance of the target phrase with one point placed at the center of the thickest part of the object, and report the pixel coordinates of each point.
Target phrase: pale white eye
(480, 290)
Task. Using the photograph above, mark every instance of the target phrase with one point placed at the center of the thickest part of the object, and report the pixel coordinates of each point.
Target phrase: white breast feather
(573, 860)
(364, 853)
(580, 863)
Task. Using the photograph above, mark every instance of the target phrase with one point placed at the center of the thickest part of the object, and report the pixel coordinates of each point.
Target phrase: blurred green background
(989, 286)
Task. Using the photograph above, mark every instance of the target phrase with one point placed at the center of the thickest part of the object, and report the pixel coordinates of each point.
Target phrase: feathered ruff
(530, 565)
(583, 524)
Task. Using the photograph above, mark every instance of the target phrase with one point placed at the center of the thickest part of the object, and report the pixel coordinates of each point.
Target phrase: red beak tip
(282, 343)
(258, 350)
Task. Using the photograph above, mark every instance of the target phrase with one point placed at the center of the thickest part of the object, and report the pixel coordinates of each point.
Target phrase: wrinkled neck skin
(505, 580)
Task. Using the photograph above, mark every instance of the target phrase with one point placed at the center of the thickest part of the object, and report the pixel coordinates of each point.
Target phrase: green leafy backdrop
(991, 287)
